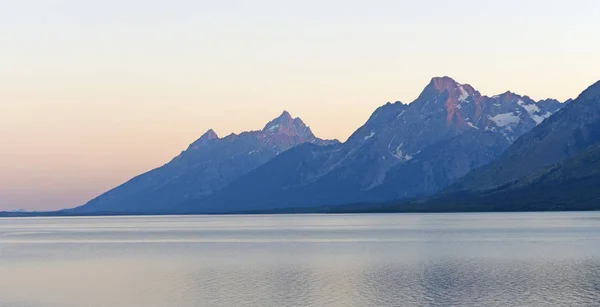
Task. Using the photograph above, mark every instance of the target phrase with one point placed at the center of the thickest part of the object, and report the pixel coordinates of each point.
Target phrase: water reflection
(419, 284)
(355, 260)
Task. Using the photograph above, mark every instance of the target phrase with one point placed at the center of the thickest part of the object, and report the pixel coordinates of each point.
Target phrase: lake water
(502, 259)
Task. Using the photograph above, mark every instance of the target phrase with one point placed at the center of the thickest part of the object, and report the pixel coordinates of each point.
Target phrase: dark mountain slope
(571, 185)
(440, 165)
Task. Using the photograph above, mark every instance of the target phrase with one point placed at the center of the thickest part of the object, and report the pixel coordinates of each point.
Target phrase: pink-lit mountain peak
(454, 89)
(288, 125)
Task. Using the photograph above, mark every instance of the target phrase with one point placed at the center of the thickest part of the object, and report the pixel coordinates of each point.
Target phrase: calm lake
(499, 259)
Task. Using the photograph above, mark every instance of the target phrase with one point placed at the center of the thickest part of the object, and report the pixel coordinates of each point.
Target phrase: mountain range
(403, 151)
(555, 166)
(569, 132)
(207, 165)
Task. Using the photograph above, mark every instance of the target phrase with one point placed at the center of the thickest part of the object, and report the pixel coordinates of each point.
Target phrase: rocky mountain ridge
(206, 166)
(401, 151)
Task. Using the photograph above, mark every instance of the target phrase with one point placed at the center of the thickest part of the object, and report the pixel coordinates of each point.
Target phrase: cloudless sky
(95, 92)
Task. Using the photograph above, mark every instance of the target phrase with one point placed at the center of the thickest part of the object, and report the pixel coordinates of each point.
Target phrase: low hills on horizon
(452, 149)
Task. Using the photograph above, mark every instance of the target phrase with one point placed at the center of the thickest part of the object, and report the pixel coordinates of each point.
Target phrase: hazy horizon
(96, 92)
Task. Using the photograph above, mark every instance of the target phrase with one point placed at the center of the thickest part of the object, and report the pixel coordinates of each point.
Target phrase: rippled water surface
(529, 259)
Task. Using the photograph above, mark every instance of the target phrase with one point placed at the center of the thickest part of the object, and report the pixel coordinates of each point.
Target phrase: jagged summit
(459, 91)
(285, 119)
(205, 139)
(285, 115)
(283, 131)
(443, 83)
(506, 93)
(209, 135)
(456, 92)
(287, 125)
(465, 108)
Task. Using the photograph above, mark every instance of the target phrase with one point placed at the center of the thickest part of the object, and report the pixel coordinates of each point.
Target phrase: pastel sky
(95, 92)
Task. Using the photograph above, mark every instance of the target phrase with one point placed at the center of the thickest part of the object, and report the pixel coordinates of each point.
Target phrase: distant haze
(95, 92)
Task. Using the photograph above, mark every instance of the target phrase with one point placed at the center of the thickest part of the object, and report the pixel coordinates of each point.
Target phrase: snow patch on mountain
(540, 118)
(505, 119)
(369, 136)
(471, 125)
(399, 154)
(463, 94)
(530, 108)
(273, 128)
(533, 111)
